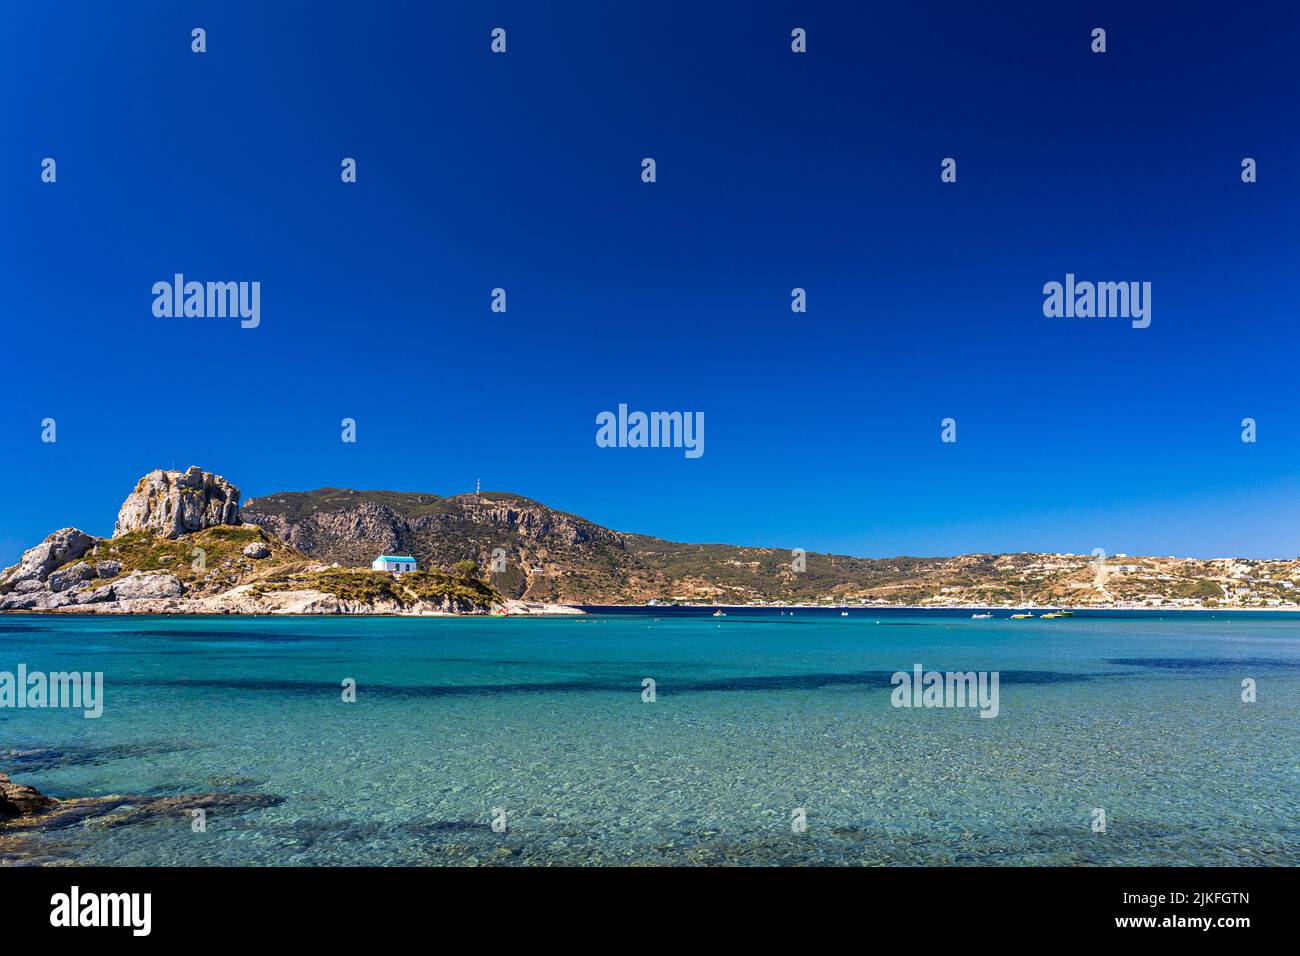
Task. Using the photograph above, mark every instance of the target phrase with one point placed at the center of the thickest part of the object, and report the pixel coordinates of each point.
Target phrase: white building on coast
(396, 564)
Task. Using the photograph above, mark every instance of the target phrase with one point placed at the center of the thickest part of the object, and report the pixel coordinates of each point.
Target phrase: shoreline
(981, 608)
(172, 608)
(549, 609)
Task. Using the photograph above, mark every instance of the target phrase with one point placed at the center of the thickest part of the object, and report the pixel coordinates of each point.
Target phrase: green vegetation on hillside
(212, 559)
(369, 587)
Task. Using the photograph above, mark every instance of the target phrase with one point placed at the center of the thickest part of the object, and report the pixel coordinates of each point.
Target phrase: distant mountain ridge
(550, 555)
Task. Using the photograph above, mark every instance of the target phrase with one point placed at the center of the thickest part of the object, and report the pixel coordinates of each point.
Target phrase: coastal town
(1118, 581)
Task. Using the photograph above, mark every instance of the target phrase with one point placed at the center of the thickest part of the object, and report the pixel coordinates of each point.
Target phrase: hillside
(554, 556)
(179, 547)
(183, 544)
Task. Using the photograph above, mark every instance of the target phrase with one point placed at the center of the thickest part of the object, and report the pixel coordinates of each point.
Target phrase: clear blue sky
(775, 170)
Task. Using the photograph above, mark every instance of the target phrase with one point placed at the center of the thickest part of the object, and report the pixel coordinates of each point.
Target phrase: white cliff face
(66, 544)
(171, 503)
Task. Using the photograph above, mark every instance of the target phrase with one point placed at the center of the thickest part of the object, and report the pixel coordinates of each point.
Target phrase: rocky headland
(179, 546)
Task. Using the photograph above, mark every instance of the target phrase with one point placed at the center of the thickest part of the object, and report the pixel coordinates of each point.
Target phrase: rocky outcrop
(172, 517)
(71, 576)
(33, 584)
(77, 585)
(85, 594)
(17, 800)
(147, 585)
(44, 599)
(172, 503)
(64, 545)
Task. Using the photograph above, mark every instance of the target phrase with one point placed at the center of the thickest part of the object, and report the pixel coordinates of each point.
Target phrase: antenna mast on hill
(478, 486)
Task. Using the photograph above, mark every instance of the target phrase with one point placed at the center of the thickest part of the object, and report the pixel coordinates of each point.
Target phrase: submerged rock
(17, 800)
(117, 810)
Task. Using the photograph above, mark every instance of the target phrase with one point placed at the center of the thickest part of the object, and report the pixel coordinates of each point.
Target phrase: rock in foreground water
(17, 800)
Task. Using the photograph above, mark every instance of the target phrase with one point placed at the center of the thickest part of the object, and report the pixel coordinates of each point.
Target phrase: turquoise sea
(757, 717)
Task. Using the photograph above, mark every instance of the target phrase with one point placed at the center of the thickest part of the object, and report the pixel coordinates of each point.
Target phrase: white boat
(1021, 617)
(719, 613)
(844, 613)
(980, 617)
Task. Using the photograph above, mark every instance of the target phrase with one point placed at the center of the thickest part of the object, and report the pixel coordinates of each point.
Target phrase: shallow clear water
(755, 716)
